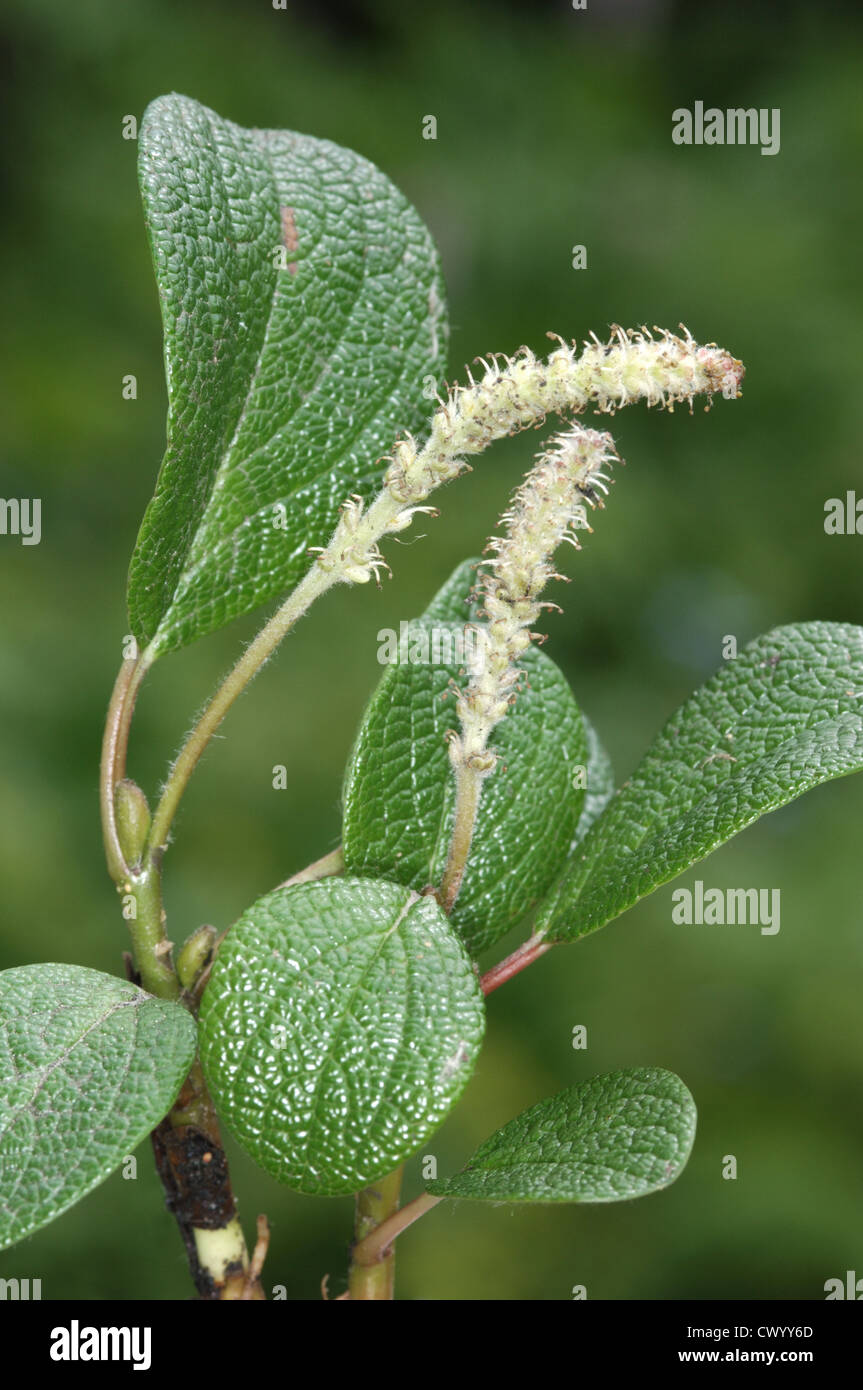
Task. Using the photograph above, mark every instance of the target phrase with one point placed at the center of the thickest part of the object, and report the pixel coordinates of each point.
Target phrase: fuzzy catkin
(517, 392)
(549, 508)
(513, 394)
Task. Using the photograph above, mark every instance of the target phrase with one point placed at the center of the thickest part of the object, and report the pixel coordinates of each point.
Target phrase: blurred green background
(553, 129)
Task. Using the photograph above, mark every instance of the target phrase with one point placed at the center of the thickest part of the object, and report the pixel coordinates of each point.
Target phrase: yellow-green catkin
(517, 392)
(512, 394)
(549, 508)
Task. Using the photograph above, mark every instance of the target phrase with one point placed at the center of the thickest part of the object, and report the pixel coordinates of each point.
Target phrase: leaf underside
(89, 1065)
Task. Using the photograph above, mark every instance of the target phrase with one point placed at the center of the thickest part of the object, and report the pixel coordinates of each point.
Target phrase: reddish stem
(513, 965)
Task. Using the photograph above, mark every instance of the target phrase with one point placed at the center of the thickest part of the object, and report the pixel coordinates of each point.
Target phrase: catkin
(515, 393)
(512, 394)
(549, 508)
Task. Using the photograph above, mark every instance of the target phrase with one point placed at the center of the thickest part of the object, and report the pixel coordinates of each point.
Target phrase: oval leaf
(302, 308)
(341, 1022)
(615, 1137)
(89, 1065)
(399, 795)
(780, 719)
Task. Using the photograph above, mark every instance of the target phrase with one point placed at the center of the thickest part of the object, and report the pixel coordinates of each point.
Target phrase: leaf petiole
(254, 657)
(113, 765)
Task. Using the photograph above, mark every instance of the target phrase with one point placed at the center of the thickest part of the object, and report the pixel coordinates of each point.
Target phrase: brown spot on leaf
(290, 238)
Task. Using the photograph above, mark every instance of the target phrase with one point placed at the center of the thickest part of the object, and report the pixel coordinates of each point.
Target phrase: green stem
(187, 1145)
(316, 582)
(147, 930)
(335, 565)
(329, 865)
(143, 887)
(326, 867)
(374, 1279)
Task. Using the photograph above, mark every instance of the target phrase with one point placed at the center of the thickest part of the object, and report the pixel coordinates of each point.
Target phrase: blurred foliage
(553, 129)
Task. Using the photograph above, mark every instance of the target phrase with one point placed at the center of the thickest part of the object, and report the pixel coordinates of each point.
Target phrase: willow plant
(334, 1026)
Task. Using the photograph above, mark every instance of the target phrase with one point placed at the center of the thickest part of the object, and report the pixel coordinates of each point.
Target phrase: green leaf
(399, 793)
(615, 1137)
(285, 385)
(341, 1022)
(780, 719)
(89, 1065)
(600, 782)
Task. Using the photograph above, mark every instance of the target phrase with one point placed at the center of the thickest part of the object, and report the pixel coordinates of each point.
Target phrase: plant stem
(468, 790)
(193, 1170)
(187, 1146)
(520, 959)
(326, 867)
(379, 1220)
(147, 930)
(252, 1280)
(372, 1257)
(113, 765)
(338, 563)
(143, 887)
(374, 1279)
(316, 582)
(377, 1245)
